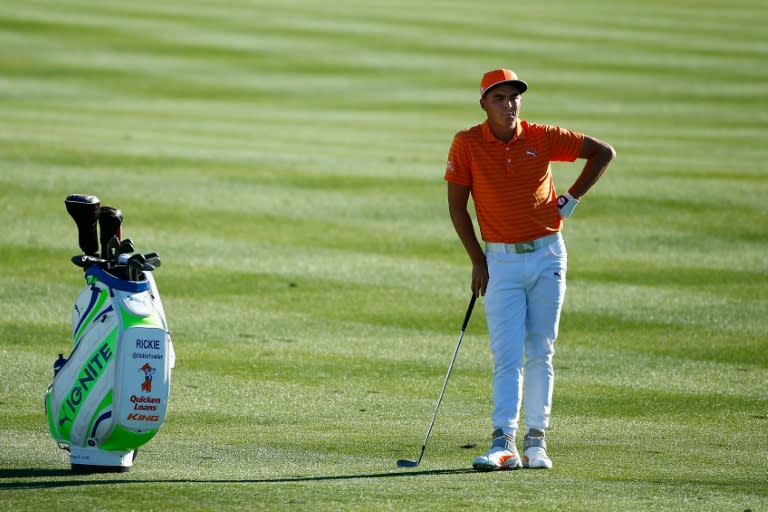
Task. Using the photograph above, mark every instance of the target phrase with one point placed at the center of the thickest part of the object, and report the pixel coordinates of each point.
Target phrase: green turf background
(285, 158)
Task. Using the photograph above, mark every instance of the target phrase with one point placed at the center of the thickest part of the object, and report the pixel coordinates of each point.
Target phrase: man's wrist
(566, 203)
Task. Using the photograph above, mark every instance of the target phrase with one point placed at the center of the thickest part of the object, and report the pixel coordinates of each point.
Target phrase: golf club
(405, 463)
(136, 265)
(110, 227)
(85, 210)
(152, 259)
(126, 246)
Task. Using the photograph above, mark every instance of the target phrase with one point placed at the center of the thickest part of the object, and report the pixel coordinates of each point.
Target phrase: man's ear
(482, 103)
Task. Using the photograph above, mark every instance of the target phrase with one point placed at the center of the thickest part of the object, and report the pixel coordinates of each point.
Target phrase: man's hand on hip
(566, 203)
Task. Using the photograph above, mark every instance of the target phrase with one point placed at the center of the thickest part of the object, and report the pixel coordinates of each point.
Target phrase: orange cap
(501, 76)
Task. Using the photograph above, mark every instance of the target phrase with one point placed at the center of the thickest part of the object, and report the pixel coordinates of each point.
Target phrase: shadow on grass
(70, 479)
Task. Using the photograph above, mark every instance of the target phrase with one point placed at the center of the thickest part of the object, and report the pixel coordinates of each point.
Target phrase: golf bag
(110, 395)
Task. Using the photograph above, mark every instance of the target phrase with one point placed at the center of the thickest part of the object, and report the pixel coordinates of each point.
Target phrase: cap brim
(521, 86)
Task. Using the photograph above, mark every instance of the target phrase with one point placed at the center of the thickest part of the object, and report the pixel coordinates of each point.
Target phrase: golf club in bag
(110, 395)
(405, 463)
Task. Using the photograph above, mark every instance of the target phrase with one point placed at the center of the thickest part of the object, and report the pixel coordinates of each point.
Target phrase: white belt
(523, 247)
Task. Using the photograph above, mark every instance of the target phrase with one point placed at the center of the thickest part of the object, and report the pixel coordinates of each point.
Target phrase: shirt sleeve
(458, 169)
(565, 145)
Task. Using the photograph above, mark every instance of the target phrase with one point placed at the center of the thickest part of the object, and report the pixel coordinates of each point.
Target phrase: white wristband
(566, 204)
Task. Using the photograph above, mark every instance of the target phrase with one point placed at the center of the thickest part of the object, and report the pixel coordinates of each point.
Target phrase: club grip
(469, 312)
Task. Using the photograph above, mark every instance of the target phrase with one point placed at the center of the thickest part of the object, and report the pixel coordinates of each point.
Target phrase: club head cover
(84, 210)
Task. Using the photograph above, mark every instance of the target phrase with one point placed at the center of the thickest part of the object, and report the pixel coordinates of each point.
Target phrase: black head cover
(85, 210)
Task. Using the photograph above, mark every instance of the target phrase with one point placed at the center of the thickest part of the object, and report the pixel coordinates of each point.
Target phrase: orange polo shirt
(511, 184)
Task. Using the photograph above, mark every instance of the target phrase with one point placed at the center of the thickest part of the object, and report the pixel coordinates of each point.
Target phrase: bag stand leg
(93, 460)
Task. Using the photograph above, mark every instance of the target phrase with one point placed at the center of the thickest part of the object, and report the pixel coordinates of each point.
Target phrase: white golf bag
(110, 395)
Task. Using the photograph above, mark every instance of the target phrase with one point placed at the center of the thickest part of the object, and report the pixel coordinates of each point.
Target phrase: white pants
(522, 304)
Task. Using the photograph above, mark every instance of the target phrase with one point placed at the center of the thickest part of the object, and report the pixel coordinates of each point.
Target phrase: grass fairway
(285, 159)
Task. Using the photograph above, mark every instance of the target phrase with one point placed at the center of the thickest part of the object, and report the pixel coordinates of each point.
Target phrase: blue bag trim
(116, 283)
(84, 314)
(104, 416)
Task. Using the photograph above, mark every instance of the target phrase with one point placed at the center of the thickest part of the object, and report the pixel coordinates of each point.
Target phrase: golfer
(504, 164)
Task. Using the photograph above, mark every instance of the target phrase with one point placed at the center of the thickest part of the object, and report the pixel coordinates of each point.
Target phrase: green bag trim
(89, 375)
(125, 440)
(132, 320)
(49, 413)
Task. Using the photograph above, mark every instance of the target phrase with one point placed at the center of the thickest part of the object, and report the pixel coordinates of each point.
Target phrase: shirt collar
(490, 137)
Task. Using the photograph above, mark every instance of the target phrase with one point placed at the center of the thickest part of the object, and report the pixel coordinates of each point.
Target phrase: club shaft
(447, 375)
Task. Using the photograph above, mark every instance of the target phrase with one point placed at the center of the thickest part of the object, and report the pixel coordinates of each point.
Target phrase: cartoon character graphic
(146, 386)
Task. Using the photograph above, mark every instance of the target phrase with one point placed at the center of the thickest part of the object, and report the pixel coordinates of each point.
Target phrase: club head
(111, 250)
(404, 463)
(135, 266)
(153, 259)
(126, 246)
(138, 257)
(86, 261)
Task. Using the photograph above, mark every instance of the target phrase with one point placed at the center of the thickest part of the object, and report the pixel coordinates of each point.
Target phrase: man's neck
(504, 134)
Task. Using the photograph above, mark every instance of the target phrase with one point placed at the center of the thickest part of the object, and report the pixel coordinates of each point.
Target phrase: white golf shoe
(535, 451)
(503, 454)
